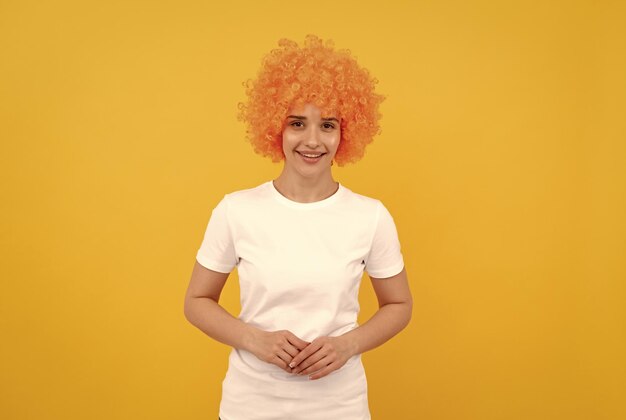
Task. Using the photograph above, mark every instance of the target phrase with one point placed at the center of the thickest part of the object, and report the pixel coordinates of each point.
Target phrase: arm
(327, 354)
(203, 311)
(395, 306)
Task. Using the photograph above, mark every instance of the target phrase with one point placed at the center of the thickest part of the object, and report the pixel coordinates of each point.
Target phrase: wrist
(250, 337)
(351, 343)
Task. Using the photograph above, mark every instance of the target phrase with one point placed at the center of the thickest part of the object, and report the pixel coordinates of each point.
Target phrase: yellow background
(502, 159)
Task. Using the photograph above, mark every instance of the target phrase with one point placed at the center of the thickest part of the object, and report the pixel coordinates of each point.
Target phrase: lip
(310, 160)
(314, 155)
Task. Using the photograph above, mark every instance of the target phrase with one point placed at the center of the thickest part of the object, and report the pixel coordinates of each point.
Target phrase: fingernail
(291, 365)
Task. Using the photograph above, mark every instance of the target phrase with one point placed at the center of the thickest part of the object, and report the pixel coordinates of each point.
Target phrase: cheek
(285, 139)
(290, 141)
(335, 141)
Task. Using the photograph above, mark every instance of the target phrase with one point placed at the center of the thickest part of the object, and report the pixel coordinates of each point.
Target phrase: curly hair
(316, 73)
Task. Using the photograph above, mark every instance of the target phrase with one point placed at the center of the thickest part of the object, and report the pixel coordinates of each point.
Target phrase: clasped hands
(294, 355)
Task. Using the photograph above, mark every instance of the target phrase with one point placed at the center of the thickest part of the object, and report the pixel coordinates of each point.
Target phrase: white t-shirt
(300, 267)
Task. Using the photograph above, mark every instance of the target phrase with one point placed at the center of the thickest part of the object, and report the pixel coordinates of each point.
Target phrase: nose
(313, 139)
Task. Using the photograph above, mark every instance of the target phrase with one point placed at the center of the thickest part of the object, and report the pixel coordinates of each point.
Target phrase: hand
(277, 347)
(322, 356)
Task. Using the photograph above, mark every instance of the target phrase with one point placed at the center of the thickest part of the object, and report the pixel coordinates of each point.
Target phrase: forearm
(212, 319)
(388, 321)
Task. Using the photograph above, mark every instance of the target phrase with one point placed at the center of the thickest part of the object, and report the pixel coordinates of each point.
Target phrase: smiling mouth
(311, 155)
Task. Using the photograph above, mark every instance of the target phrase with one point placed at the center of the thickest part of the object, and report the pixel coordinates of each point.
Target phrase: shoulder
(248, 196)
(361, 202)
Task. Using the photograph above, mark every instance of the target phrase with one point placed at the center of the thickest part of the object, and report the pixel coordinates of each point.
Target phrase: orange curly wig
(316, 73)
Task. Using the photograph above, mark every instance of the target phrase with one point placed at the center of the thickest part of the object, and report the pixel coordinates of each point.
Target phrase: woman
(300, 244)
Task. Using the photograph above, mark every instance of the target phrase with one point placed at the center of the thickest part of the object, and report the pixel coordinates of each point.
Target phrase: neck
(306, 189)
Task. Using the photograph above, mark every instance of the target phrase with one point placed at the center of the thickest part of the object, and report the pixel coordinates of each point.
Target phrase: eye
(328, 126)
(297, 124)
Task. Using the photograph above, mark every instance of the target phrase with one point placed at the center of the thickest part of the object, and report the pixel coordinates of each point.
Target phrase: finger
(293, 352)
(299, 343)
(328, 369)
(280, 363)
(310, 361)
(319, 365)
(284, 356)
(304, 354)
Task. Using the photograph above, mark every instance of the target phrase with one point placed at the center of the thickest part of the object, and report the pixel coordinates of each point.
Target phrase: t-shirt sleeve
(217, 251)
(385, 259)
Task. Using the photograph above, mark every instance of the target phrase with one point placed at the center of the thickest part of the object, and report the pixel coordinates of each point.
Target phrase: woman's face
(310, 140)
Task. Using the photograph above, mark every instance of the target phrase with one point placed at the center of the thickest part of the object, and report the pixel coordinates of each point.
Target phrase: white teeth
(310, 156)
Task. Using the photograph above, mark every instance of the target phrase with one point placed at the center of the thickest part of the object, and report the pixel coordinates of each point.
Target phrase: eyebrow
(302, 117)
